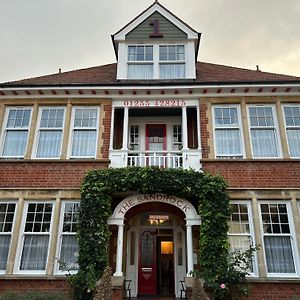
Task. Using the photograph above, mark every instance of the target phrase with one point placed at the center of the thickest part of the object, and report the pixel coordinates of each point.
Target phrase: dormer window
(171, 61)
(140, 62)
(156, 62)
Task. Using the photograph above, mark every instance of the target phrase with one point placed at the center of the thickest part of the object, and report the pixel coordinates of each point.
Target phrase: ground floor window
(35, 236)
(278, 235)
(7, 213)
(68, 246)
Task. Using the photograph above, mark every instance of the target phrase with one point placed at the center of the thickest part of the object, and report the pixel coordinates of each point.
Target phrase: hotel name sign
(140, 199)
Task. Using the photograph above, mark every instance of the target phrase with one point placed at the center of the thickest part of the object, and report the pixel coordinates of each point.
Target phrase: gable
(144, 30)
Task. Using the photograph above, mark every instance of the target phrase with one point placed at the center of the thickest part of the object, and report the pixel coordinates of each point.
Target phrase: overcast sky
(37, 37)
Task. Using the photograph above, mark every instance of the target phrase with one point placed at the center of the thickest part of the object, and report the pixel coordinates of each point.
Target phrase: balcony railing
(163, 159)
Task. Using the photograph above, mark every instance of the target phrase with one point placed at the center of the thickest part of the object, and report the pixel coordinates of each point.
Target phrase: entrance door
(147, 264)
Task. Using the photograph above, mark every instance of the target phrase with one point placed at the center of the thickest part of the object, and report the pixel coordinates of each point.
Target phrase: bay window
(84, 132)
(15, 135)
(228, 132)
(68, 246)
(263, 131)
(292, 126)
(278, 238)
(35, 237)
(50, 132)
(7, 213)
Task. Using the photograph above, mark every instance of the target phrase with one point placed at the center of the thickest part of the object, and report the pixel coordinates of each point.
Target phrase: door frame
(157, 125)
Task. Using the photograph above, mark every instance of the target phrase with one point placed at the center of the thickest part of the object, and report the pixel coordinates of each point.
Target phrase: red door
(147, 264)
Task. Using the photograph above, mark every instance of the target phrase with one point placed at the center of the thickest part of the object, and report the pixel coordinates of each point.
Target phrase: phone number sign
(154, 103)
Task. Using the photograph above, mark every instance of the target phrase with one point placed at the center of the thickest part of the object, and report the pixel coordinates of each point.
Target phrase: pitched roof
(207, 73)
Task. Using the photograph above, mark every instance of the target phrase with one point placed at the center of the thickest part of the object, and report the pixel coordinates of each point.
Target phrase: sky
(37, 37)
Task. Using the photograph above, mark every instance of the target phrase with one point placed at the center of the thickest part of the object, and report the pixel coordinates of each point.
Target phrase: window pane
(140, 71)
(15, 143)
(49, 144)
(4, 248)
(69, 253)
(264, 143)
(228, 142)
(84, 143)
(172, 71)
(35, 250)
(293, 136)
(18, 118)
(279, 254)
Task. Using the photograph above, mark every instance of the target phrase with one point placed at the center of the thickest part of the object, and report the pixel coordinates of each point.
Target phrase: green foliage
(93, 234)
(34, 295)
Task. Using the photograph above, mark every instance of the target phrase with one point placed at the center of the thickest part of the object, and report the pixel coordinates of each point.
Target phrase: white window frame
(156, 61)
(239, 127)
(60, 237)
(137, 142)
(37, 135)
(275, 128)
(251, 234)
(10, 233)
(175, 143)
(5, 130)
(287, 127)
(72, 129)
(22, 239)
(292, 235)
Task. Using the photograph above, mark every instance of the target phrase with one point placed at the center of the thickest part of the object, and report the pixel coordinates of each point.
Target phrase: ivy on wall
(96, 198)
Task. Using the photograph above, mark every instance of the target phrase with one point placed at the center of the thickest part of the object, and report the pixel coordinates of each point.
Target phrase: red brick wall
(34, 174)
(204, 130)
(256, 174)
(106, 131)
(22, 285)
(272, 291)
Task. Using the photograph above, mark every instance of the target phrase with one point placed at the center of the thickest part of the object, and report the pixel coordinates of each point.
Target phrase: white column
(198, 128)
(111, 141)
(119, 251)
(184, 129)
(189, 250)
(125, 129)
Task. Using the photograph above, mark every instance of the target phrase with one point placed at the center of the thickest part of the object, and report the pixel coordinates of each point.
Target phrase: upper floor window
(50, 132)
(84, 132)
(140, 62)
(134, 143)
(156, 61)
(177, 137)
(263, 131)
(292, 126)
(278, 236)
(228, 133)
(7, 213)
(171, 61)
(15, 135)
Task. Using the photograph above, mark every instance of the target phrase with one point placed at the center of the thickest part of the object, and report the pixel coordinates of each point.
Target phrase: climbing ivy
(206, 191)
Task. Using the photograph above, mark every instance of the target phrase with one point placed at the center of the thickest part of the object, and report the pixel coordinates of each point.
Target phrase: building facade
(157, 106)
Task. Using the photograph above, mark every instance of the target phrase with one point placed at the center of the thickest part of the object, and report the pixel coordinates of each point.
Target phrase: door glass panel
(147, 243)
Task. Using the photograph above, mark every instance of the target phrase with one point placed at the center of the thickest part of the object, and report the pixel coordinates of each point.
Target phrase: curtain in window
(49, 144)
(140, 71)
(264, 143)
(68, 253)
(171, 71)
(279, 254)
(4, 248)
(35, 250)
(294, 142)
(84, 143)
(15, 143)
(228, 142)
